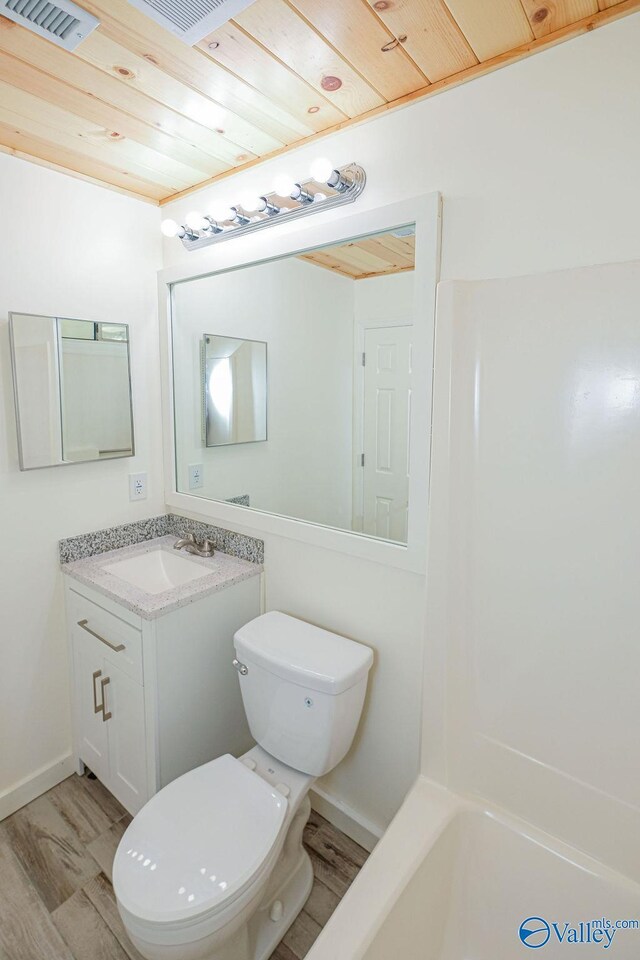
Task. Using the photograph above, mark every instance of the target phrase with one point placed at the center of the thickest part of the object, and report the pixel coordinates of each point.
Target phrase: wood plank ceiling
(136, 109)
(375, 256)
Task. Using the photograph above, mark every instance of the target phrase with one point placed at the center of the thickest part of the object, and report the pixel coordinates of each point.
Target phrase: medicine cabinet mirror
(72, 389)
(333, 416)
(234, 389)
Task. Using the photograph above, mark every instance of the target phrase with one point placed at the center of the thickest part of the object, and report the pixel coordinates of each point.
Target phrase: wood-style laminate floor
(56, 899)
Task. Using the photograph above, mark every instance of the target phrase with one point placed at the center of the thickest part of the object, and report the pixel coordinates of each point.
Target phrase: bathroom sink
(157, 571)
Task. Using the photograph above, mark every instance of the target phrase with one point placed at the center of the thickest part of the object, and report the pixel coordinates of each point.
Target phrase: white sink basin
(157, 571)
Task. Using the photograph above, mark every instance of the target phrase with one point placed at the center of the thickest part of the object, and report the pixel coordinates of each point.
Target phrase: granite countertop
(225, 570)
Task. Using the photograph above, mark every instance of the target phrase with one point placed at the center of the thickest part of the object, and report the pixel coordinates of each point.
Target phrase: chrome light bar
(325, 189)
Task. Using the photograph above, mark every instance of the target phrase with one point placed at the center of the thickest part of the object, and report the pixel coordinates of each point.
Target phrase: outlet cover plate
(137, 486)
(196, 476)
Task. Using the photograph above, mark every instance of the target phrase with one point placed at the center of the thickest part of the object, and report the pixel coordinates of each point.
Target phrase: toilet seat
(198, 847)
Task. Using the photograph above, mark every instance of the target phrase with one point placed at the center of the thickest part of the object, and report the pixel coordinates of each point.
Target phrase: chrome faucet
(200, 548)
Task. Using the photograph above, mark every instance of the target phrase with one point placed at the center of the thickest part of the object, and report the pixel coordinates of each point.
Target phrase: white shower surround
(534, 526)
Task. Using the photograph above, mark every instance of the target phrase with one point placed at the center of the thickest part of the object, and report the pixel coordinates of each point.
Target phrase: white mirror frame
(425, 211)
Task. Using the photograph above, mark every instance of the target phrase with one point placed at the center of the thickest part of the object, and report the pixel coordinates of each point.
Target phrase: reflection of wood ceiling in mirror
(135, 108)
(370, 257)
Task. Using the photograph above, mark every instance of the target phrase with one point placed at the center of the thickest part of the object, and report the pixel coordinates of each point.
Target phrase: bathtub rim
(383, 878)
(394, 861)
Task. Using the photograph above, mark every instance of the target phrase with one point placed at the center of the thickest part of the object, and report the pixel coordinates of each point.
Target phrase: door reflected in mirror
(72, 388)
(333, 416)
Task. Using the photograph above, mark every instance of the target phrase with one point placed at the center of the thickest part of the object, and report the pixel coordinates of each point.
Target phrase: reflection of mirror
(338, 441)
(72, 389)
(235, 390)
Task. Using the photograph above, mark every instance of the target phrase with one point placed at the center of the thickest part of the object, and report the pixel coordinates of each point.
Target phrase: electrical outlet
(196, 476)
(137, 486)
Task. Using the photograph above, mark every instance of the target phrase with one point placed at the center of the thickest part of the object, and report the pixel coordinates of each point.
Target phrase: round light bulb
(170, 228)
(221, 212)
(319, 197)
(321, 169)
(195, 221)
(284, 185)
(250, 202)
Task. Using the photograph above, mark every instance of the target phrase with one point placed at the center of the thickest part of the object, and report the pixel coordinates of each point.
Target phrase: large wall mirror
(329, 419)
(72, 388)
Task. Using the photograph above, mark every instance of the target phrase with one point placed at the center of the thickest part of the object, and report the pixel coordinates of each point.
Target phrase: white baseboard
(38, 783)
(345, 818)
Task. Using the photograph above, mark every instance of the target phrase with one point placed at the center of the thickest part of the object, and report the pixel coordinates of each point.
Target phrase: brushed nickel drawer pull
(112, 646)
(103, 684)
(97, 707)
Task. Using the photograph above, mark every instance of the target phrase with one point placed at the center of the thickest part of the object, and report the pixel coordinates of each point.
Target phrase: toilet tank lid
(303, 654)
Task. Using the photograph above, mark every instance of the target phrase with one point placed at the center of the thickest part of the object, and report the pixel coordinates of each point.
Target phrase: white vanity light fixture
(327, 186)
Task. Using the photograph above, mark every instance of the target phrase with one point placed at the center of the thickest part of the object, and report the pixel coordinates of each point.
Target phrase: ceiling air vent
(191, 20)
(63, 22)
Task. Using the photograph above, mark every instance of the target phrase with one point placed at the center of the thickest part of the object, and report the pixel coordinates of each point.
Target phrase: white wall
(538, 166)
(305, 314)
(76, 250)
(384, 299)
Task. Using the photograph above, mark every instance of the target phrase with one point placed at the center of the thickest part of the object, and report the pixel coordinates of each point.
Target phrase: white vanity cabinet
(155, 698)
(110, 704)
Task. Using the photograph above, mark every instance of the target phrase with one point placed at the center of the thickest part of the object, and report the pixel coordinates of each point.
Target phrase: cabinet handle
(112, 646)
(103, 684)
(97, 707)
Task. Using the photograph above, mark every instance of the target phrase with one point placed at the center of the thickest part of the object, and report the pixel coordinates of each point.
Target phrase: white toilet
(213, 867)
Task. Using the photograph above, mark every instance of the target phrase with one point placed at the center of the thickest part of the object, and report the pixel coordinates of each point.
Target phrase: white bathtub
(453, 881)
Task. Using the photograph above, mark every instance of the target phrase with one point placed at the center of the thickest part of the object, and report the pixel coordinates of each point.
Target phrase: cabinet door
(124, 700)
(92, 735)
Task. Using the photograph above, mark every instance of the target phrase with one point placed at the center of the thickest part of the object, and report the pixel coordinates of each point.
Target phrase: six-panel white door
(387, 415)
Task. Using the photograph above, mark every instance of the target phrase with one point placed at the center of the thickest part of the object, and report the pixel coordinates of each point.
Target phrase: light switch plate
(137, 486)
(196, 476)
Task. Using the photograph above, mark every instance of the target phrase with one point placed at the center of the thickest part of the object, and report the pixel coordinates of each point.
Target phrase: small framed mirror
(234, 386)
(72, 386)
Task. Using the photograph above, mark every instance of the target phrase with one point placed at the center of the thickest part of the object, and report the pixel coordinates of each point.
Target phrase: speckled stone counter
(225, 570)
(169, 524)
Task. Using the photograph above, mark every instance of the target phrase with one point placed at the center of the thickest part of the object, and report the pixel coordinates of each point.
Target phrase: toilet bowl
(213, 866)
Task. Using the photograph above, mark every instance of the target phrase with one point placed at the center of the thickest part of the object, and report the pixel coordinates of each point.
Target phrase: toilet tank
(303, 689)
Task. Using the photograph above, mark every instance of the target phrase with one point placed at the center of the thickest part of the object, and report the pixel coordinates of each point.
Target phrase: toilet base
(264, 933)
